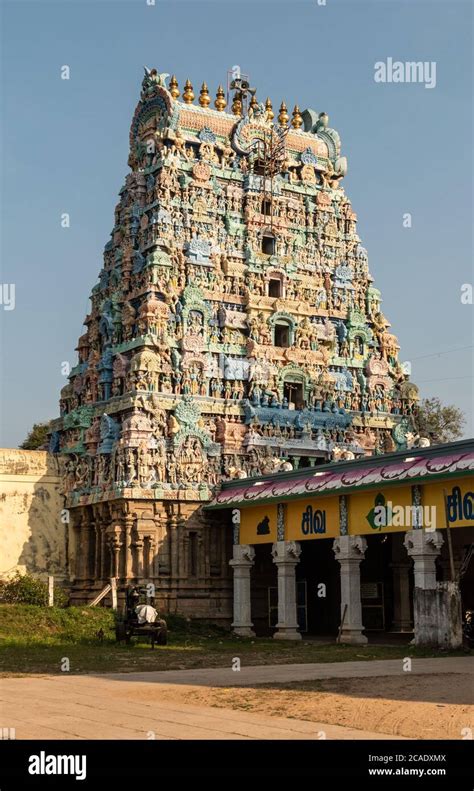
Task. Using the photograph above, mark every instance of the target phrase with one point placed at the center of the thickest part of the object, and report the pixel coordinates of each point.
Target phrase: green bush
(25, 589)
(23, 624)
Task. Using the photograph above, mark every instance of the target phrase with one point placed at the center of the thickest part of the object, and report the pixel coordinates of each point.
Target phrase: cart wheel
(162, 638)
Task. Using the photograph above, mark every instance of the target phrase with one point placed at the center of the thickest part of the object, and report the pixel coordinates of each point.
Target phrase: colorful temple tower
(235, 330)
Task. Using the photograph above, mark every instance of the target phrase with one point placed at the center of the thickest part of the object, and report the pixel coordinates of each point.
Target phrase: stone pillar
(98, 535)
(174, 552)
(103, 551)
(349, 552)
(424, 547)
(151, 570)
(241, 563)
(185, 554)
(77, 533)
(128, 522)
(182, 555)
(172, 538)
(402, 621)
(286, 554)
(115, 547)
(203, 562)
(87, 530)
(92, 550)
(139, 547)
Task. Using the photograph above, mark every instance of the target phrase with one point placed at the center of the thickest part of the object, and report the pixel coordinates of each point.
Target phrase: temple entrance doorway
(263, 580)
(376, 587)
(317, 580)
(386, 588)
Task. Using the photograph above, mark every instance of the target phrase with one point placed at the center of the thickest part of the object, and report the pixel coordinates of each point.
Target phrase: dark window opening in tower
(268, 245)
(293, 392)
(275, 287)
(267, 208)
(282, 335)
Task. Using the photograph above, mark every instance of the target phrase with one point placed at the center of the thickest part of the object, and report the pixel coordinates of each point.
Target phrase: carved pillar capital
(243, 555)
(423, 542)
(286, 552)
(424, 546)
(350, 548)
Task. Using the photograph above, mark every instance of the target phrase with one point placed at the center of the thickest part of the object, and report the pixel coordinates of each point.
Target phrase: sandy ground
(371, 700)
(417, 707)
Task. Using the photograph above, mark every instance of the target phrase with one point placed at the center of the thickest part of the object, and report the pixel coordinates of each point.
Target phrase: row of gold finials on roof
(220, 103)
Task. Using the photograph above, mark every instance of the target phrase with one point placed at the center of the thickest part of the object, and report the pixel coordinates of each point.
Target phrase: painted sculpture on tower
(235, 328)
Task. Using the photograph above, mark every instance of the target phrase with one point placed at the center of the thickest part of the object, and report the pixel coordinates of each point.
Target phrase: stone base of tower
(181, 550)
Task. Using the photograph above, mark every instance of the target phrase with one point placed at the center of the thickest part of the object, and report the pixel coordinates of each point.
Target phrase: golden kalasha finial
(220, 102)
(188, 93)
(237, 104)
(283, 116)
(173, 89)
(296, 119)
(204, 98)
(269, 110)
(253, 103)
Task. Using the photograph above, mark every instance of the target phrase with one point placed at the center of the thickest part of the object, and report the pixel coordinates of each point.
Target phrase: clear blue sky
(65, 149)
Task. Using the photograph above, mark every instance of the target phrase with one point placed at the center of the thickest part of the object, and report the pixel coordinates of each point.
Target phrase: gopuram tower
(235, 330)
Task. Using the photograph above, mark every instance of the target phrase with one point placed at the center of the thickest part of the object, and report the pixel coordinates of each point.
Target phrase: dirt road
(352, 700)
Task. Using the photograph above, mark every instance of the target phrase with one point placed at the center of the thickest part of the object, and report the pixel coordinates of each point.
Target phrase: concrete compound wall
(33, 538)
(438, 617)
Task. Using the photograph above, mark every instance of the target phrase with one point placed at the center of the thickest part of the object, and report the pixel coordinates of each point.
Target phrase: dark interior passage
(319, 570)
(263, 587)
(376, 584)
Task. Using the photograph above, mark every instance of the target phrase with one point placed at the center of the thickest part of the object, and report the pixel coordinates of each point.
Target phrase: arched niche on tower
(194, 307)
(359, 338)
(144, 371)
(373, 382)
(359, 335)
(154, 112)
(293, 386)
(283, 327)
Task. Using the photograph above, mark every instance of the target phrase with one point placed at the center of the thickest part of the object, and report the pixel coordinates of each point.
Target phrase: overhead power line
(438, 354)
(448, 379)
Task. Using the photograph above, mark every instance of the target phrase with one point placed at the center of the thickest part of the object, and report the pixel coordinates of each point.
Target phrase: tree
(439, 423)
(37, 437)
